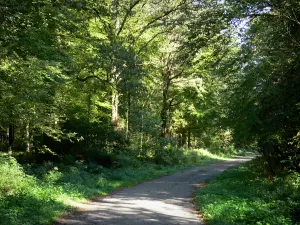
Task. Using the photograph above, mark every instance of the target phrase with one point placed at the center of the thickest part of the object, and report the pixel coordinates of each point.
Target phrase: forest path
(166, 200)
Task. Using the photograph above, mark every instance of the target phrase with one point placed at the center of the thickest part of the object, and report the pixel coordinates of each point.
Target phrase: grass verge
(37, 194)
(244, 196)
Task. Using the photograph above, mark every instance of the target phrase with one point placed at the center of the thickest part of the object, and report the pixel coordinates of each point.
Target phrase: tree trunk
(27, 137)
(11, 136)
(179, 142)
(127, 114)
(115, 110)
(165, 106)
(164, 119)
(89, 113)
(183, 138)
(142, 136)
(115, 81)
(189, 139)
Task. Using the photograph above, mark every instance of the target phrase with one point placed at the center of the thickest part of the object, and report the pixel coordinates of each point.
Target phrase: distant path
(162, 201)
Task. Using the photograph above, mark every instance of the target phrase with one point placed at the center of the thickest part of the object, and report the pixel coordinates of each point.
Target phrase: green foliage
(9, 169)
(245, 196)
(21, 193)
(110, 84)
(50, 189)
(263, 82)
(181, 156)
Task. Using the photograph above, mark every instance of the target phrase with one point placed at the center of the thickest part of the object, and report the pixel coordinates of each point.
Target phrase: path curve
(162, 201)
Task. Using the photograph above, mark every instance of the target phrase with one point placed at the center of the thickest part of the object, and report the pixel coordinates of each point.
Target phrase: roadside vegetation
(92, 90)
(36, 194)
(245, 195)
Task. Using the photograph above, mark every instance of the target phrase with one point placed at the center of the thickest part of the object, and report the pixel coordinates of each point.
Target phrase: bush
(128, 160)
(169, 156)
(104, 159)
(13, 180)
(181, 156)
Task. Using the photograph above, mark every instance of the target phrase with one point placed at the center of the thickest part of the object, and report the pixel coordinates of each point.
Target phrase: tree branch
(107, 27)
(88, 77)
(175, 104)
(253, 15)
(148, 42)
(148, 25)
(95, 77)
(177, 75)
(127, 15)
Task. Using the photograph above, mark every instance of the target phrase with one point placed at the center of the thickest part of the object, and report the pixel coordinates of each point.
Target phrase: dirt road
(166, 200)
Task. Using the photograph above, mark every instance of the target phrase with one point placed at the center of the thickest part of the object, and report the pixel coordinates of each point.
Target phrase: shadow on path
(166, 200)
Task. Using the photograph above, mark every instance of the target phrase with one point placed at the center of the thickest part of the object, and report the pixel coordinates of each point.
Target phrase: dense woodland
(101, 94)
(88, 78)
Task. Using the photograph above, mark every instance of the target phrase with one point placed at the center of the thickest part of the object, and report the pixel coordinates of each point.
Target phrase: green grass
(37, 194)
(244, 196)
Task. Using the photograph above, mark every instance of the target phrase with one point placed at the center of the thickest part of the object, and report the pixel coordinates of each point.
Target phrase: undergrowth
(35, 194)
(244, 195)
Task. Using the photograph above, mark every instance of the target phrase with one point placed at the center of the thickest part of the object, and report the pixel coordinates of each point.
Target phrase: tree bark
(179, 141)
(127, 114)
(165, 105)
(11, 136)
(142, 136)
(27, 137)
(115, 76)
(115, 110)
(164, 119)
(189, 139)
(183, 138)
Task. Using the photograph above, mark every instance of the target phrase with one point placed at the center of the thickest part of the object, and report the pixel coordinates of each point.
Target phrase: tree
(34, 64)
(264, 100)
(121, 29)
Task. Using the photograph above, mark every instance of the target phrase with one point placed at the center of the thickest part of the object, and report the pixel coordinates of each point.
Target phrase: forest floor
(166, 200)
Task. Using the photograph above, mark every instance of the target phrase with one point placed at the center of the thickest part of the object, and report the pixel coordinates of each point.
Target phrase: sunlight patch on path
(162, 201)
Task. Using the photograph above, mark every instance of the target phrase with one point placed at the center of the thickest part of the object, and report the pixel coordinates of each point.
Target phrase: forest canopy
(87, 78)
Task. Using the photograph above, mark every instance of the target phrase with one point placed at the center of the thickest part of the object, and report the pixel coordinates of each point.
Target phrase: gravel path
(166, 200)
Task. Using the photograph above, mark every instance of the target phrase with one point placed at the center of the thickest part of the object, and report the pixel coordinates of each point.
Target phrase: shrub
(181, 156)
(104, 159)
(13, 180)
(169, 156)
(126, 160)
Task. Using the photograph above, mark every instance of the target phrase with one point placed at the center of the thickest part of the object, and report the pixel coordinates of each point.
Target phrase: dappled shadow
(122, 209)
(126, 214)
(165, 200)
(74, 181)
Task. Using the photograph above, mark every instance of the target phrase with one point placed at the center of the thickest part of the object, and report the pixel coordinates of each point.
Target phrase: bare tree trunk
(89, 113)
(115, 110)
(115, 75)
(183, 138)
(164, 119)
(127, 114)
(179, 140)
(189, 139)
(11, 136)
(165, 105)
(27, 137)
(142, 136)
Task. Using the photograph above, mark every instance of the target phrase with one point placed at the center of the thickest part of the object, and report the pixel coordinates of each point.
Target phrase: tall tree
(265, 100)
